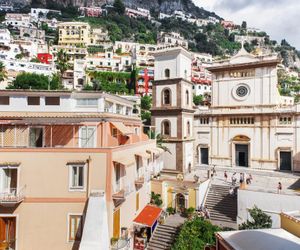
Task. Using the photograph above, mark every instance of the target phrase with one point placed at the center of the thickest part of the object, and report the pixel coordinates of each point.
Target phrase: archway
(180, 202)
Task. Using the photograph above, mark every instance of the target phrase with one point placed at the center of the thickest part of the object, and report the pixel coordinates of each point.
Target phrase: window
(75, 227)
(188, 128)
(204, 120)
(167, 73)
(36, 137)
(241, 120)
(285, 120)
(119, 109)
(166, 128)
(52, 101)
(187, 97)
(77, 177)
(87, 102)
(87, 136)
(4, 100)
(33, 100)
(114, 132)
(166, 97)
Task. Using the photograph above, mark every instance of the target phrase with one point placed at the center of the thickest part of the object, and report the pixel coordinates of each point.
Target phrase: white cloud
(279, 18)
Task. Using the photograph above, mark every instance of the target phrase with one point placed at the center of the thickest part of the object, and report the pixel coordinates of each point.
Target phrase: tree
(62, 62)
(259, 220)
(119, 7)
(35, 81)
(244, 25)
(3, 73)
(146, 102)
(196, 234)
(156, 199)
(197, 99)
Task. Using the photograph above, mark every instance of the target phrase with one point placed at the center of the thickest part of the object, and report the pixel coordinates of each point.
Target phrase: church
(247, 125)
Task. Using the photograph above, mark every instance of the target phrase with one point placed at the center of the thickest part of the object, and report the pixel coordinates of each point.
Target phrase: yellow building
(291, 222)
(81, 34)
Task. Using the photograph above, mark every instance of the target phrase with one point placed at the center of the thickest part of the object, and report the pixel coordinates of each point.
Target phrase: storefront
(144, 225)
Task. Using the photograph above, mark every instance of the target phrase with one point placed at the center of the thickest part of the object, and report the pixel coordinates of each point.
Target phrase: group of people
(248, 178)
(204, 212)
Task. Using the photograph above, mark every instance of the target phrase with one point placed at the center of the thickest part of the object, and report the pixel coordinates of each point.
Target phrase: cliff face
(165, 6)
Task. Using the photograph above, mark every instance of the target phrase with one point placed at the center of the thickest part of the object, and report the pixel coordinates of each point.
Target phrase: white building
(163, 16)
(171, 39)
(172, 110)
(5, 37)
(17, 20)
(39, 13)
(249, 124)
(139, 12)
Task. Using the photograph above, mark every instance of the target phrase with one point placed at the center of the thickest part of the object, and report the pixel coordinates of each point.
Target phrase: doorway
(180, 202)
(8, 233)
(241, 155)
(204, 156)
(286, 161)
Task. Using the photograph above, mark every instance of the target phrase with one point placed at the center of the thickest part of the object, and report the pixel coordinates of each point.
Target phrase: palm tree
(3, 73)
(159, 140)
(62, 62)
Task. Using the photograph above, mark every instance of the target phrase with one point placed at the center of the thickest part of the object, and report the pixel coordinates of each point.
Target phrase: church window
(204, 120)
(166, 128)
(167, 73)
(166, 97)
(241, 120)
(285, 120)
(187, 97)
(242, 91)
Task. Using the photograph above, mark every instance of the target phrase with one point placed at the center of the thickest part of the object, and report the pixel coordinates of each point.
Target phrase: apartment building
(17, 20)
(171, 39)
(32, 33)
(81, 34)
(138, 13)
(71, 162)
(201, 77)
(5, 37)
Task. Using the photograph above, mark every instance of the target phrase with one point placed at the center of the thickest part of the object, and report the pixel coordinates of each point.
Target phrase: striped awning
(122, 128)
(156, 151)
(143, 154)
(125, 160)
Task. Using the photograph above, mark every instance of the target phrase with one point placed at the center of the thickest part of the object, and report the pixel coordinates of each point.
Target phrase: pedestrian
(249, 179)
(233, 179)
(225, 176)
(231, 191)
(206, 213)
(214, 171)
(279, 187)
(242, 178)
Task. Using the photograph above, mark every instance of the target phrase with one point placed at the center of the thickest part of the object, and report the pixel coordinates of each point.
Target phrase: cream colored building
(71, 163)
(81, 34)
(248, 124)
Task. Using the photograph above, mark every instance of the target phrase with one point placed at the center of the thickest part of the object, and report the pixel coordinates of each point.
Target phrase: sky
(279, 18)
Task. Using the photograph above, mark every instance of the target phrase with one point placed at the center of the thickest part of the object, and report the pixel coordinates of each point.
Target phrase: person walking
(279, 187)
(242, 178)
(225, 176)
(233, 179)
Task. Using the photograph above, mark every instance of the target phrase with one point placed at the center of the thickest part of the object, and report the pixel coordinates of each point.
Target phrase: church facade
(248, 124)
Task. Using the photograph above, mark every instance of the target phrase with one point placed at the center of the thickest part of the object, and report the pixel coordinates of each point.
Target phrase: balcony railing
(12, 196)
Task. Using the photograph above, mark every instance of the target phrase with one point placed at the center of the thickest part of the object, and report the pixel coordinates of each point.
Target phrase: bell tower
(172, 109)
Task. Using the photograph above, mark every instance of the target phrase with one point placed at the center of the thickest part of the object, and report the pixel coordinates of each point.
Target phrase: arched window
(167, 73)
(166, 97)
(166, 128)
(187, 97)
(188, 128)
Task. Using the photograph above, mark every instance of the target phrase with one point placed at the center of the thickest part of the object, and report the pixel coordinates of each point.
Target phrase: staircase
(163, 238)
(222, 206)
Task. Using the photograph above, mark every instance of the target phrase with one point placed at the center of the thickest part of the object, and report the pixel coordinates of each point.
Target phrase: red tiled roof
(148, 215)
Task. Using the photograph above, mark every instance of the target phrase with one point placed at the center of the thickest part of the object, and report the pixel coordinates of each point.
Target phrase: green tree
(3, 73)
(119, 7)
(259, 220)
(62, 62)
(197, 99)
(156, 199)
(146, 102)
(244, 25)
(35, 81)
(196, 234)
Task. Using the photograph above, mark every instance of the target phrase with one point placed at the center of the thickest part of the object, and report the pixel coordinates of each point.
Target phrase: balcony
(12, 196)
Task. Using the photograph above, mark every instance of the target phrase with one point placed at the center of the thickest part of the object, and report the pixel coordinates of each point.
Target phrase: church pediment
(243, 57)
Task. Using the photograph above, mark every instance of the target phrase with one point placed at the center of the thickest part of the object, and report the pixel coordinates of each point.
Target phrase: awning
(148, 216)
(143, 154)
(122, 128)
(125, 160)
(156, 151)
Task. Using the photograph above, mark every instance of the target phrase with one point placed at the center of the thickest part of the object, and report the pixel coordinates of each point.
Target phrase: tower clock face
(241, 91)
